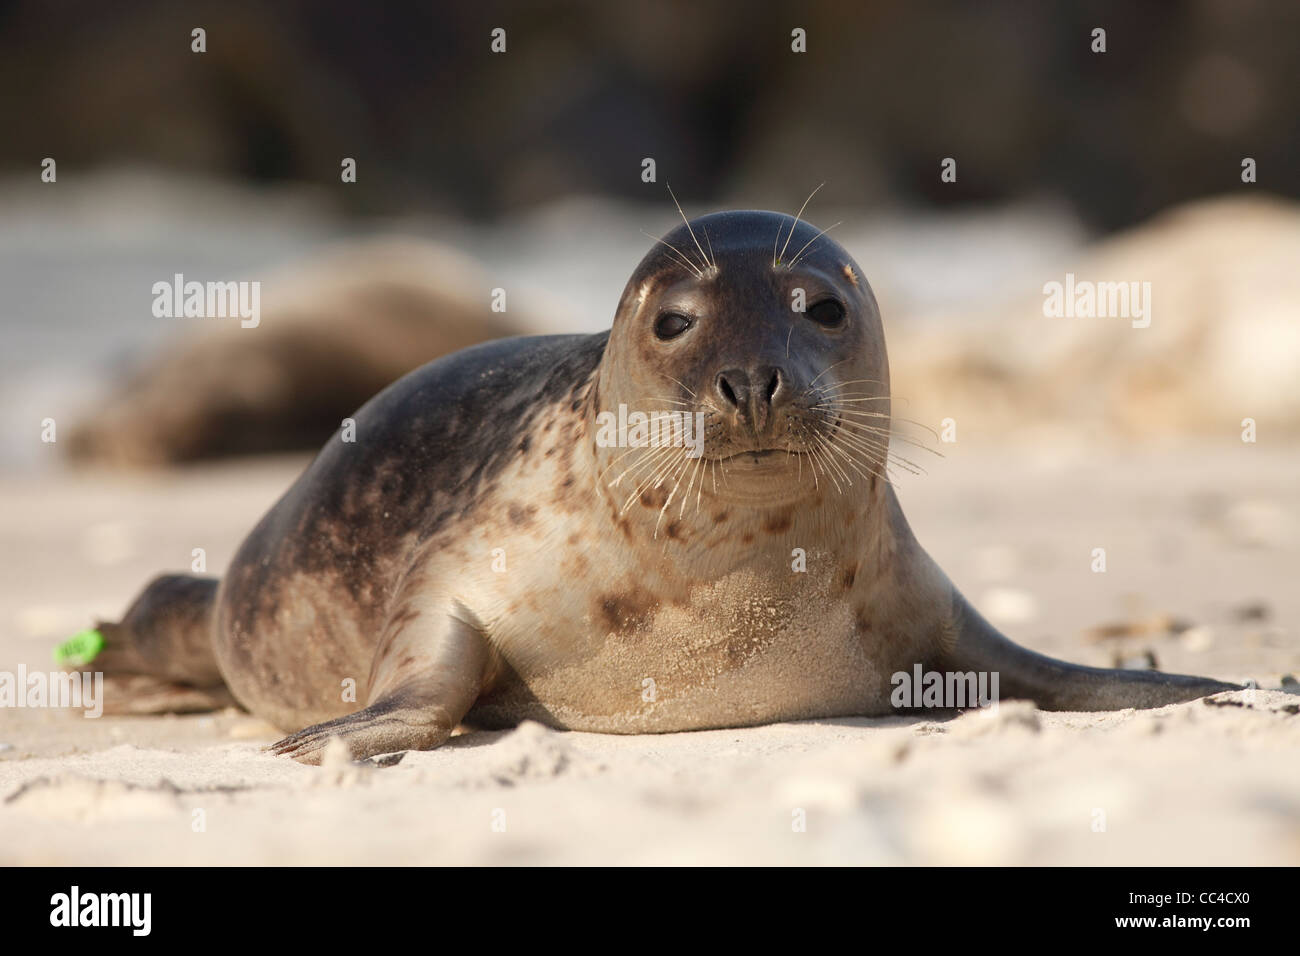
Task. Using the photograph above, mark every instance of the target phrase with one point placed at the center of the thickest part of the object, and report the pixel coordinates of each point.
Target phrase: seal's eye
(827, 313)
(669, 325)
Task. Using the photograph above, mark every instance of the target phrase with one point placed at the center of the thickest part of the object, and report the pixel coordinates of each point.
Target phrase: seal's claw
(306, 746)
(381, 728)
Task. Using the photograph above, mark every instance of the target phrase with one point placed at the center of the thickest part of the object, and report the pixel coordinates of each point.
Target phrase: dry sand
(1205, 535)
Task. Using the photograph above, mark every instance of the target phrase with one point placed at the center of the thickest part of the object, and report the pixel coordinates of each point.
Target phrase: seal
(335, 330)
(685, 522)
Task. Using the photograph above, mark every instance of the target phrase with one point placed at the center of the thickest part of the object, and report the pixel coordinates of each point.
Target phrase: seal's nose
(754, 394)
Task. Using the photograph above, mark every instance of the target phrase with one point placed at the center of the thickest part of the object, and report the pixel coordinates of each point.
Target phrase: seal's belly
(716, 663)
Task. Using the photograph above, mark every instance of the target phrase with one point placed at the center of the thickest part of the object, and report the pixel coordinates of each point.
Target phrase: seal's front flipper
(1058, 685)
(425, 678)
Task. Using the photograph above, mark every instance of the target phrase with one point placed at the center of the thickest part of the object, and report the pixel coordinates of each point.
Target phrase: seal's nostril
(727, 390)
(776, 385)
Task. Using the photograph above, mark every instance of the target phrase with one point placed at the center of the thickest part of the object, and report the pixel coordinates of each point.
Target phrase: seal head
(765, 327)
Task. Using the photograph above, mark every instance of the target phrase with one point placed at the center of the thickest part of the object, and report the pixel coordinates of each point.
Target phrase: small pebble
(1009, 605)
(1141, 661)
(1197, 639)
(1257, 524)
(1252, 611)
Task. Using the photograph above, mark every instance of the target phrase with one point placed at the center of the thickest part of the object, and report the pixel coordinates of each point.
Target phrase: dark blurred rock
(333, 333)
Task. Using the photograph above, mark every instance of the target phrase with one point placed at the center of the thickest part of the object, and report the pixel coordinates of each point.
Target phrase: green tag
(80, 649)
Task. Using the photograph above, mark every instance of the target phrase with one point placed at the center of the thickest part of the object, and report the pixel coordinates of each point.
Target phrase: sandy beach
(1201, 568)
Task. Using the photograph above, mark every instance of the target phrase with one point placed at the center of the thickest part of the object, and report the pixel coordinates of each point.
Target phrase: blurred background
(225, 165)
(586, 89)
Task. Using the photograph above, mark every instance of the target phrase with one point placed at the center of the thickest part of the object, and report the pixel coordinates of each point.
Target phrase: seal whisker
(865, 439)
(699, 492)
(845, 408)
(851, 459)
(882, 453)
(851, 399)
(653, 481)
(814, 458)
(681, 512)
(671, 379)
(812, 462)
(853, 416)
(849, 454)
(634, 467)
(644, 464)
(647, 460)
(779, 225)
(848, 409)
(888, 433)
(803, 438)
(829, 394)
(823, 372)
(795, 226)
(677, 473)
(877, 448)
(853, 381)
(873, 455)
(795, 260)
(682, 259)
(643, 483)
(603, 471)
(708, 264)
(857, 413)
(869, 429)
(828, 461)
(882, 440)
(866, 432)
(834, 392)
(836, 469)
(668, 460)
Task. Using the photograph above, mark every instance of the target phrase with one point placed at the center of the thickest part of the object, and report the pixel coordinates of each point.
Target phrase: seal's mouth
(758, 454)
(793, 436)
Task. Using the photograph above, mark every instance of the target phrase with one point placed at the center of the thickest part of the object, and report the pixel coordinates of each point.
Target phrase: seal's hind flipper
(1058, 685)
(140, 694)
(158, 659)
